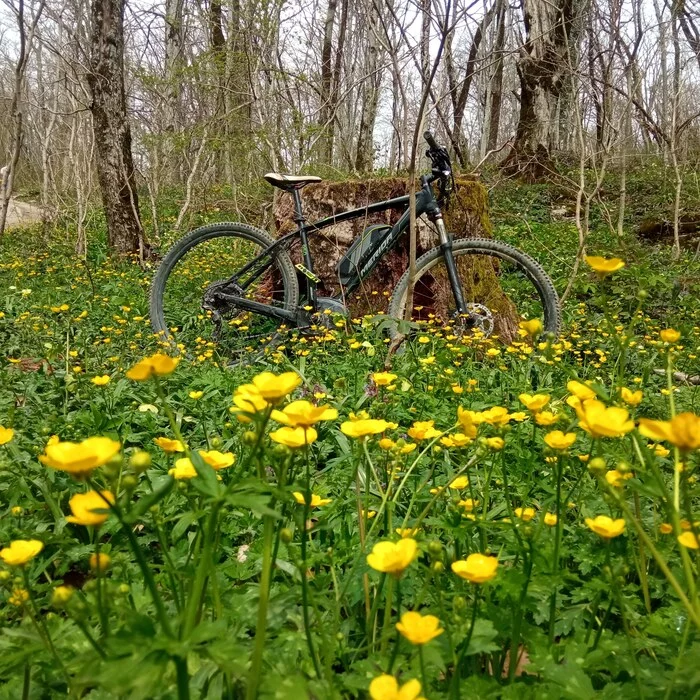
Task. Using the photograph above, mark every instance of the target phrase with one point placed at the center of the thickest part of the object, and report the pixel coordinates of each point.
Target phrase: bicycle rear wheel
(183, 304)
(501, 286)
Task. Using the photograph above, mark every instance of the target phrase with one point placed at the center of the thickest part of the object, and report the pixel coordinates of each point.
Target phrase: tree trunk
(325, 113)
(115, 167)
(542, 67)
(494, 114)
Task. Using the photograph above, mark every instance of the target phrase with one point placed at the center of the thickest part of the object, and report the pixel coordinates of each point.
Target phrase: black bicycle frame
(425, 204)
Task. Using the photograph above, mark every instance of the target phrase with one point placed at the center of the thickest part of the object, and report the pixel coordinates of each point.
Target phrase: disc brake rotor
(481, 318)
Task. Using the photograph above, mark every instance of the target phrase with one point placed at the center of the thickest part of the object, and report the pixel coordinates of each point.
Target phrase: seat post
(298, 209)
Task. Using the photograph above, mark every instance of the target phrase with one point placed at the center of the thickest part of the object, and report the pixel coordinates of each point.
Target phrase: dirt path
(22, 214)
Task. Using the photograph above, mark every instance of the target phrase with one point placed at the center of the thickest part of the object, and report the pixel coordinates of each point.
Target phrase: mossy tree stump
(467, 217)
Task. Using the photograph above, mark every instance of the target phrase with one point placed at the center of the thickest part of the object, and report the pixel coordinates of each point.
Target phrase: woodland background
(194, 100)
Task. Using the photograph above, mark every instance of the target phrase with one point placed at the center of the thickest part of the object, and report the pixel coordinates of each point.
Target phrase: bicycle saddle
(290, 182)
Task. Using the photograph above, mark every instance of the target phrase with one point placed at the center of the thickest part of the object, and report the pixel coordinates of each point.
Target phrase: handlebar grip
(430, 140)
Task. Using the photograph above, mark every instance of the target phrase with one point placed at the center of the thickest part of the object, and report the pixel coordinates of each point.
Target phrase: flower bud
(101, 564)
(597, 466)
(435, 548)
(216, 442)
(140, 461)
(61, 595)
(437, 566)
(249, 437)
(286, 535)
(624, 467)
(130, 482)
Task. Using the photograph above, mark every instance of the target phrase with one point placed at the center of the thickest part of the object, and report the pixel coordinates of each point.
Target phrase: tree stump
(467, 217)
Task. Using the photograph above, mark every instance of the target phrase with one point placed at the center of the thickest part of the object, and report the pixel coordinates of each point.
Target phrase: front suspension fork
(446, 248)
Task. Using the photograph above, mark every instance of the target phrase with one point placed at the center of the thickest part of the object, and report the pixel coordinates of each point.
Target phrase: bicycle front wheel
(184, 306)
(501, 286)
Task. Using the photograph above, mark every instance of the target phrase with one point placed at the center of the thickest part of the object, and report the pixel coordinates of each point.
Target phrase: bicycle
(249, 311)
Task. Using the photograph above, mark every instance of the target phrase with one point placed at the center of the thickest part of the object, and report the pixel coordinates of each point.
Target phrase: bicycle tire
(206, 233)
(485, 246)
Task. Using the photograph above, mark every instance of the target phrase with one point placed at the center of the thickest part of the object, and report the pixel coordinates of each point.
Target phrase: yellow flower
(533, 327)
(477, 568)
(550, 519)
(195, 395)
(157, 365)
(386, 687)
(558, 440)
(84, 507)
(461, 482)
(580, 391)
(100, 564)
(79, 458)
(366, 426)
(493, 352)
(689, 540)
(183, 469)
(599, 421)
(617, 478)
(101, 381)
(683, 430)
(217, 460)
(419, 629)
(456, 440)
(316, 500)
(495, 416)
(19, 597)
(669, 335)
(604, 266)
(304, 414)
(393, 557)
(606, 527)
(273, 387)
(247, 402)
(61, 595)
(665, 528)
(466, 420)
(546, 418)
(525, 514)
(294, 437)
(387, 444)
(423, 430)
(534, 402)
(660, 450)
(631, 398)
(169, 445)
(383, 378)
(6, 434)
(21, 552)
(496, 443)
(404, 532)
(468, 504)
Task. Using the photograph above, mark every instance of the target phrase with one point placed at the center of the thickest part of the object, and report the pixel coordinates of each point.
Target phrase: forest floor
(510, 494)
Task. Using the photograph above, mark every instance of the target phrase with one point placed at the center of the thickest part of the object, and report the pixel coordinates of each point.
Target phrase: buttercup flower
(304, 414)
(689, 540)
(196, 395)
(468, 504)
(600, 421)
(247, 402)
(367, 426)
(386, 687)
(665, 528)
(217, 460)
(21, 552)
(495, 416)
(580, 391)
(550, 519)
(79, 459)
(604, 266)
(466, 420)
(393, 557)
(316, 500)
(423, 430)
(84, 507)
(419, 629)
(606, 527)
(546, 418)
(683, 430)
(477, 568)
(534, 402)
(532, 327)
(383, 378)
(101, 381)
(496, 443)
(100, 564)
(407, 531)
(183, 469)
(6, 434)
(169, 445)
(669, 335)
(157, 365)
(617, 478)
(455, 440)
(294, 437)
(631, 398)
(19, 597)
(461, 482)
(559, 440)
(273, 387)
(525, 514)
(61, 595)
